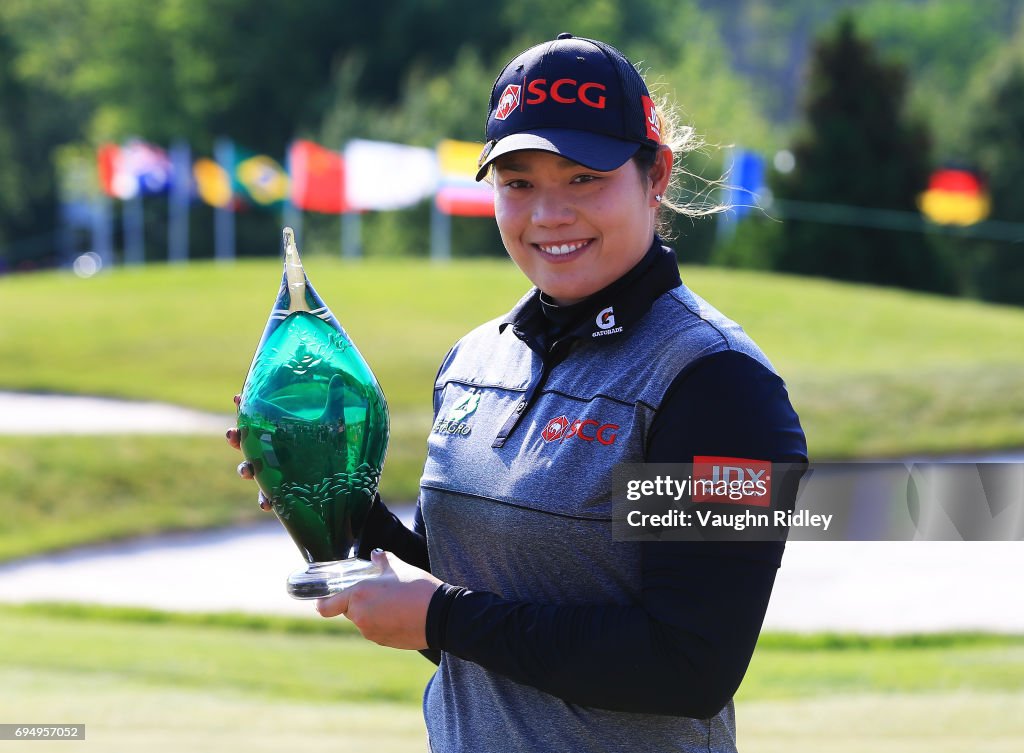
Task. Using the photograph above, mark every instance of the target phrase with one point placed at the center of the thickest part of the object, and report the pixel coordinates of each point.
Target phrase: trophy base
(322, 579)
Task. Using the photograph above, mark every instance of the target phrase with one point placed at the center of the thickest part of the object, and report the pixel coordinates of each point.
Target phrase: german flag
(955, 196)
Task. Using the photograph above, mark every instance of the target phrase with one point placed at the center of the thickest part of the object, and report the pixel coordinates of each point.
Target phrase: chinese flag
(318, 178)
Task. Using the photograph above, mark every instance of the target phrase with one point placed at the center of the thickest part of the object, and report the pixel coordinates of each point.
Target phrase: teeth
(565, 248)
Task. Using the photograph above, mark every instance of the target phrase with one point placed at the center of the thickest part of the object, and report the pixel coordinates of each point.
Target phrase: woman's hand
(234, 438)
(389, 609)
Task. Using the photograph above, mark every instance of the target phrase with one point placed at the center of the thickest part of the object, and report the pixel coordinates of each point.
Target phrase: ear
(661, 172)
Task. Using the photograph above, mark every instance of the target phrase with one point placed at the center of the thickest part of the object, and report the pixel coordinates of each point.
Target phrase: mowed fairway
(130, 716)
(944, 722)
(127, 715)
(149, 681)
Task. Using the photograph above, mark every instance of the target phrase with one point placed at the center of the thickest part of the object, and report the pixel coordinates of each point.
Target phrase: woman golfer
(551, 635)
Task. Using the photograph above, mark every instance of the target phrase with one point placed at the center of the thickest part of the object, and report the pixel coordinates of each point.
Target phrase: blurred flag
(108, 159)
(382, 175)
(135, 169)
(745, 182)
(458, 192)
(144, 170)
(260, 178)
(955, 196)
(317, 177)
(213, 184)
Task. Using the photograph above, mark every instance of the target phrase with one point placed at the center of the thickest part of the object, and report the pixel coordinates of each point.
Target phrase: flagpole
(134, 230)
(224, 217)
(351, 232)
(103, 229)
(440, 234)
(177, 203)
(292, 214)
(350, 229)
(293, 219)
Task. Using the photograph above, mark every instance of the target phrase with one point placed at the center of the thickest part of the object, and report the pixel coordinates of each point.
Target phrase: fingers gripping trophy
(313, 423)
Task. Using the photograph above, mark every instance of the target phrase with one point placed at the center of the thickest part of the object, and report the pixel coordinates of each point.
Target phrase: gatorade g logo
(589, 430)
(606, 321)
(509, 101)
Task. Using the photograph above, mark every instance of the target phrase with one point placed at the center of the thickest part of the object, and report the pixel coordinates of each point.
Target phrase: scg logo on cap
(566, 91)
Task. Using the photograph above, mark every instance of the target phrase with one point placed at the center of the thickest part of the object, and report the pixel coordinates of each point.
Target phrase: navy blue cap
(576, 97)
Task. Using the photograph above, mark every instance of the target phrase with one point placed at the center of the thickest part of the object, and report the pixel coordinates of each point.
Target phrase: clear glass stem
(322, 579)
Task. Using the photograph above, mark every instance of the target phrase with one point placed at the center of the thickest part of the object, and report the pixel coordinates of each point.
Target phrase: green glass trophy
(314, 424)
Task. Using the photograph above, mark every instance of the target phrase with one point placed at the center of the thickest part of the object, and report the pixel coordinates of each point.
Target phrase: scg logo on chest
(561, 428)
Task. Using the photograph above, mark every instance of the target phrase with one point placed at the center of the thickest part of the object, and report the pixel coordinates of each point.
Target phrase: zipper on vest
(559, 350)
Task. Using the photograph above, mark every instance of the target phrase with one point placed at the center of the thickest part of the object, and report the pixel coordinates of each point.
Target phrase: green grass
(266, 660)
(145, 680)
(276, 656)
(141, 678)
(187, 334)
(125, 716)
(871, 370)
(59, 492)
(873, 373)
(954, 722)
(996, 664)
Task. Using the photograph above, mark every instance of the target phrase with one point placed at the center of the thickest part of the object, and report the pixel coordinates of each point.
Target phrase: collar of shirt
(602, 316)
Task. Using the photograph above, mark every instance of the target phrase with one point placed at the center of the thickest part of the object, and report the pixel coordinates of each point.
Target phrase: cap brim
(591, 150)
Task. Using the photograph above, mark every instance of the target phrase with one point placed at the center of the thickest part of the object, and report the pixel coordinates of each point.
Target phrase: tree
(997, 146)
(32, 121)
(857, 149)
(943, 44)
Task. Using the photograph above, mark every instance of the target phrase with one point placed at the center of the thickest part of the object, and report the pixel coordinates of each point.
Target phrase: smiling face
(570, 229)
